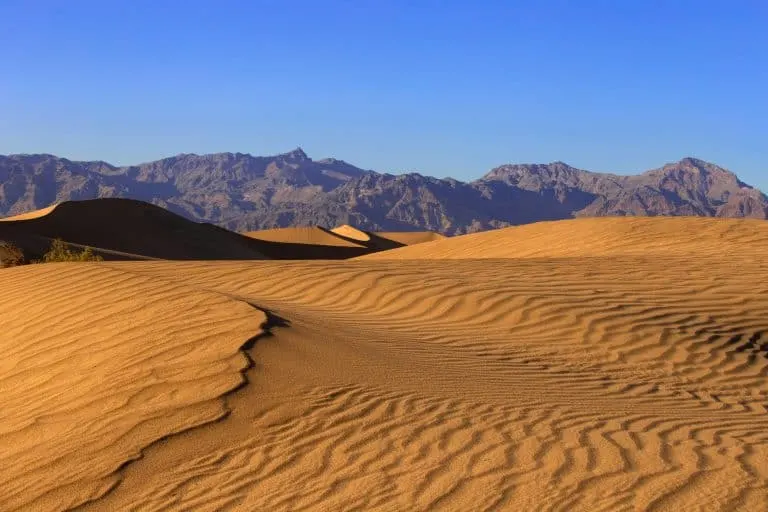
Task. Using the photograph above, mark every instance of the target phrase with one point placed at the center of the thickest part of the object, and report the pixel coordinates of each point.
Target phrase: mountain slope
(244, 192)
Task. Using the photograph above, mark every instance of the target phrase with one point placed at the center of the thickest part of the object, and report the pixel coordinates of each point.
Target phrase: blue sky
(444, 88)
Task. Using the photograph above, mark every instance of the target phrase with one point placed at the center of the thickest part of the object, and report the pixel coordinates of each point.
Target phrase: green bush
(60, 251)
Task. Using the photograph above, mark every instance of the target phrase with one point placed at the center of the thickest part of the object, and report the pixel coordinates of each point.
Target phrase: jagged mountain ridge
(244, 192)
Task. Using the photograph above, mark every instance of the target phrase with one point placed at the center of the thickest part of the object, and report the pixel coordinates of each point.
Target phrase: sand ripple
(627, 372)
(97, 364)
(535, 384)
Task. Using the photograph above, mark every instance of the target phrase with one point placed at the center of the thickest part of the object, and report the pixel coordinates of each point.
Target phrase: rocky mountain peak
(689, 170)
(297, 155)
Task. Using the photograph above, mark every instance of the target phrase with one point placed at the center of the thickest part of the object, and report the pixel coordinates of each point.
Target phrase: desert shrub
(10, 255)
(60, 251)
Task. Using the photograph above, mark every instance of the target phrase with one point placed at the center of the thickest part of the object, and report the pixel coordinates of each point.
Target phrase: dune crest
(351, 233)
(35, 214)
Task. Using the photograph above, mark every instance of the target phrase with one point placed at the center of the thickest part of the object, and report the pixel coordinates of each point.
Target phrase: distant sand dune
(302, 235)
(410, 237)
(35, 214)
(566, 379)
(342, 242)
(602, 236)
(385, 240)
(352, 233)
(301, 243)
(125, 229)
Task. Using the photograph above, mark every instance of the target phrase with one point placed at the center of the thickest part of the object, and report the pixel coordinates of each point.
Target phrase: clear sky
(446, 88)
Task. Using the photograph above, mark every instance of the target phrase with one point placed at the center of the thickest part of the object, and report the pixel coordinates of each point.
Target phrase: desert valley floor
(592, 364)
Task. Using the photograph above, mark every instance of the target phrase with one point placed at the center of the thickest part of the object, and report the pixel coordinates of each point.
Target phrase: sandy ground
(588, 374)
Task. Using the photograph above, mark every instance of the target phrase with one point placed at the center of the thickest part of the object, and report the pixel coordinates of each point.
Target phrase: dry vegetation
(61, 252)
(10, 255)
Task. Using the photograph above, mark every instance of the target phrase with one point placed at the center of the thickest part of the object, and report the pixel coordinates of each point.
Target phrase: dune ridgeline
(590, 364)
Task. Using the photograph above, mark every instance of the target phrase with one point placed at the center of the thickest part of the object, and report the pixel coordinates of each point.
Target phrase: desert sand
(410, 237)
(352, 233)
(312, 235)
(594, 364)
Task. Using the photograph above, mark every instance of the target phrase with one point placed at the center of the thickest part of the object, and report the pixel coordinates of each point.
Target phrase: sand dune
(35, 214)
(125, 229)
(385, 240)
(410, 237)
(351, 233)
(301, 243)
(97, 364)
(602, 236)
(592, 380)
(314, 235)
(342, 236)
(343, 242)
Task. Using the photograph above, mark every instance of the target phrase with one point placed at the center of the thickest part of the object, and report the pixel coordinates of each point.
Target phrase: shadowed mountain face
(243, 192)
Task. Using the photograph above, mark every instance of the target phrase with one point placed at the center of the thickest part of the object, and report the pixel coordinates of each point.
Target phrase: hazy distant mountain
(244, 192)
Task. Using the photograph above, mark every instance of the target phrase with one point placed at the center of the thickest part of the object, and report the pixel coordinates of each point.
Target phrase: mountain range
(243, 192)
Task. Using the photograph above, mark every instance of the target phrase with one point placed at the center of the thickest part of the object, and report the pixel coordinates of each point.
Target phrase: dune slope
(410, 237)
(125, 229)
(602, 236)
(96, 365)
(597, 381)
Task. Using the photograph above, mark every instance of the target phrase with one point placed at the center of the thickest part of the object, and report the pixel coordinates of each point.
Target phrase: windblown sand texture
(588, 365)
(97, 364)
